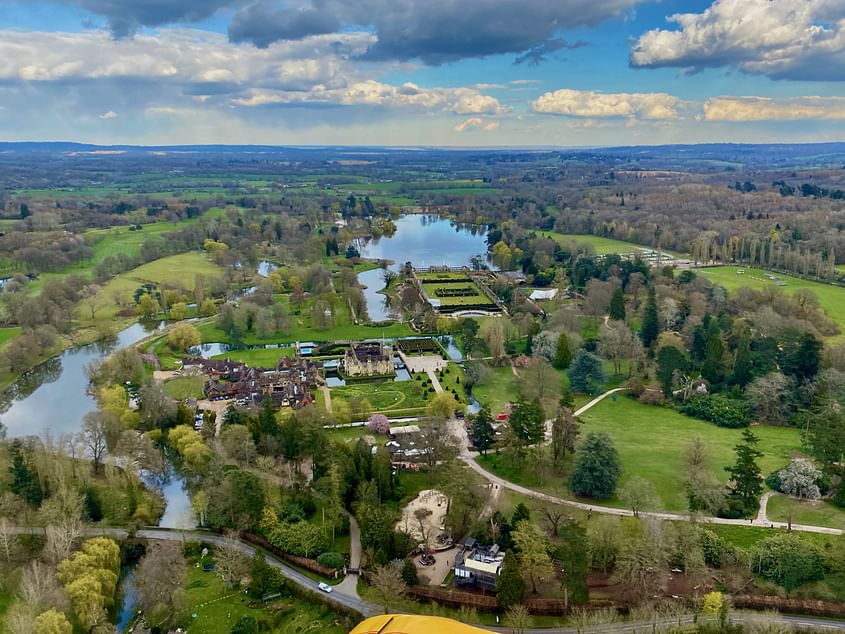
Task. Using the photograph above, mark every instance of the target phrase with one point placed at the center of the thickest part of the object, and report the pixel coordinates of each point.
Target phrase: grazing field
(601, 244)
(817, 512)
(651, 442)
(831, 298)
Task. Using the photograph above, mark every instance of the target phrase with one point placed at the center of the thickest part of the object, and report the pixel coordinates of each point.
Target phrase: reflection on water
(128, 598)
(424, 241)
(53, 396)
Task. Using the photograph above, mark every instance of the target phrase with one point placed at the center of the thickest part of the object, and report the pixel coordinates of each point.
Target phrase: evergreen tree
(699, 344)
(586, 374)
(746, 472)
(25, 482)
(409, 573)
(573, 554)
(481, 431)
(520, 513)
(597, 469)
(711, 369)
(651, 326)
(743, 372)
(563, 354)
(509, 585)
(617, 305)
(527, 422)
(669, 359)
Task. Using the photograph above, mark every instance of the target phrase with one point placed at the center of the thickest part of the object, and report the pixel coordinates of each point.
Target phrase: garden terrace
(448, 293)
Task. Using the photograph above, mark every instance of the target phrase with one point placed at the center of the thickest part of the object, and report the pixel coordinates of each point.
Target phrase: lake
(424, 241)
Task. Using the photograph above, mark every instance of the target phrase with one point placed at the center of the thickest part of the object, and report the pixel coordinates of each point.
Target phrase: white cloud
(476, 123)
(791, 39)
(111, 114)
(594, 105)
(741, 109)
(377, 94)
(526, 82)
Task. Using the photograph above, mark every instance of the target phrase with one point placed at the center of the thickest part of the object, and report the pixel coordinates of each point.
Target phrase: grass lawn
(601, 245)
(258, 358)
(498, 391)
(6, 334)
(651, 442)
(390, 397)
(218, 608)
(348, 434)
(831, 298)
(184, 386)
(816, 513)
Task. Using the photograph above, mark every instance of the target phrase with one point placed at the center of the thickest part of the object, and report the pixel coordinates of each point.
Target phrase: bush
(788, 560)
(332, 560)
(245, 625)
(720, 410)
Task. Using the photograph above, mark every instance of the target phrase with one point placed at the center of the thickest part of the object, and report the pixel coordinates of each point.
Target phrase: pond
(424, 241)
(53, 398)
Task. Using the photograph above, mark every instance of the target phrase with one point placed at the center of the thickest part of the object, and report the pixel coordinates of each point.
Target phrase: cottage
(478, 566)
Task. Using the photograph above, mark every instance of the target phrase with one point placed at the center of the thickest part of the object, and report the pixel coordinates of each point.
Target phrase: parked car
(324, 587)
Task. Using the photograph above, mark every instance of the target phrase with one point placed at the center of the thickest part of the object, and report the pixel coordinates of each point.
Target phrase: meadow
(831, 298)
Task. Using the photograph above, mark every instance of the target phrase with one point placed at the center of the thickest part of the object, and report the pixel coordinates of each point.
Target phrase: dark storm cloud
(539, 54)
(125, 17)
(434, 31)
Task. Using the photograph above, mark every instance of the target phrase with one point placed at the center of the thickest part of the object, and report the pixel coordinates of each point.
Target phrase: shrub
(719, 409)
(332, 560)
(245, 625)
(409, 573)
(788, 560)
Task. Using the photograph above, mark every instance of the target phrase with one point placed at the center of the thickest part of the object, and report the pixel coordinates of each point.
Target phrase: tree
(640, 495)
(409, 573)
(52, 622)
(178, 311)
(711, 369)
(532, 550)
(573, 554)
(526, 421)
(238, 443)
(640, 563)
(800, 479)
(493, 334)
(387, 585)
(563, 354)
(183, 336)
(565, 431)
(617, 305)
(597, 468)
(230, 562)
(25, 482)
(379, 424)
(443, 406)
(586, 374)
(617, 342)
(540, 381)
(769, 396)
(509, 585)
(90, 578)
(245, 625)
(788, 560)
(264, 579)
(669, 361)
(90, 296)
(651, 325)
(748, 481)
(481, 431)
(704, 493)
(159, 582)
(94, 432)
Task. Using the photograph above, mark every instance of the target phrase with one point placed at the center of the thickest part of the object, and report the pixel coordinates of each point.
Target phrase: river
(53, 397)
(424, 241)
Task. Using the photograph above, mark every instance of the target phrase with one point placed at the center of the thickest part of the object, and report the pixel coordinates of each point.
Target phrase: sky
(464, 73)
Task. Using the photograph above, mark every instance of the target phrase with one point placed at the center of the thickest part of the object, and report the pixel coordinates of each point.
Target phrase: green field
(831, 298)
(175, 270)
(217, 609)
(438, 286)
(817, 513)
(601, 244)
(259, 357)
(184, 386)
(391, 397)
(6, 334)
(498, 391)
(651, 442)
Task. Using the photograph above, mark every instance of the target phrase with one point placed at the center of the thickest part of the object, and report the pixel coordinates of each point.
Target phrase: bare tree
(160, 579)
(230, 562)
(90, 296)
(39, 587)
(8, 539)
(387, 585)
(94, 432)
